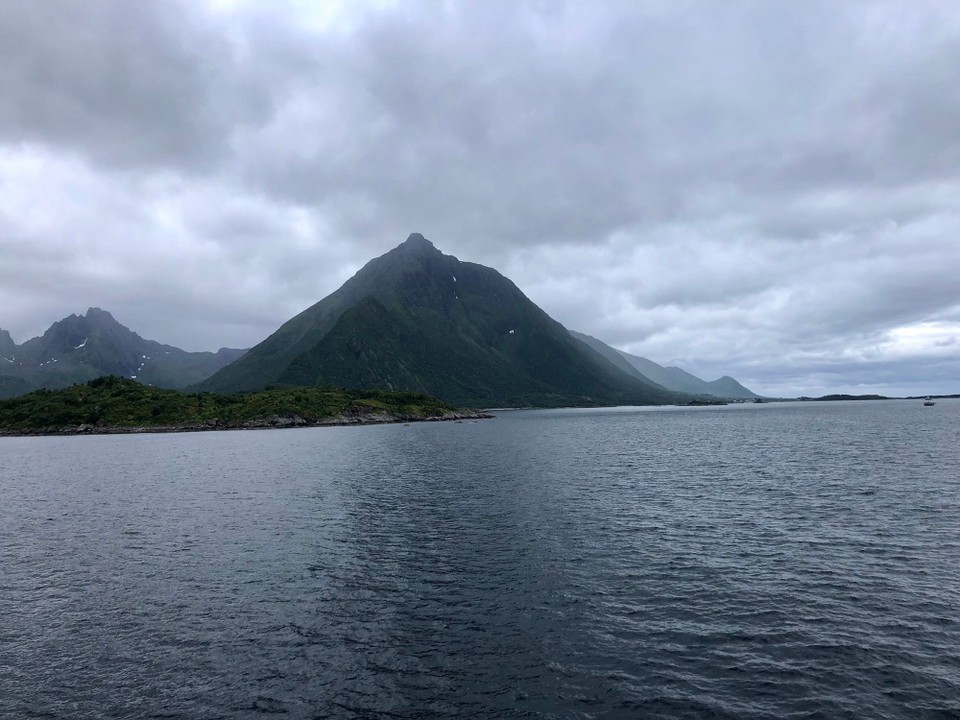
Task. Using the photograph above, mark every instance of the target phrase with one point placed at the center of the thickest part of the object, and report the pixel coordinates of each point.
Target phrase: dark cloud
(762, 189)
(121, 83)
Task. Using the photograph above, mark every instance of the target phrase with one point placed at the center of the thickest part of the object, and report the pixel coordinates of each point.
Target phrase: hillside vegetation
(113, 404)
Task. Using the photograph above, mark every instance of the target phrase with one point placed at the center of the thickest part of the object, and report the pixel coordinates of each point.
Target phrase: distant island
(111, 405)
(844, 396)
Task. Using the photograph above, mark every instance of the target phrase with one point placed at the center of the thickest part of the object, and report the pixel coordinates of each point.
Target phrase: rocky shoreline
(275, 422)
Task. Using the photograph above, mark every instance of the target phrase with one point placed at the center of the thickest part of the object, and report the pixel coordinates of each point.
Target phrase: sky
(765, 189)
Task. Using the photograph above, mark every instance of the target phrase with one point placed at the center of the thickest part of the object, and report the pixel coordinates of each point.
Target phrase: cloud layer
(768, 190)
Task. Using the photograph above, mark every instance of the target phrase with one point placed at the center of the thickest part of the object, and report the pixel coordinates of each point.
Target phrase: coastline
(268, 423)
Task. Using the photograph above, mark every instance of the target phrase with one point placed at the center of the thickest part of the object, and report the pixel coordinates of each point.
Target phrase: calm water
(760, 561)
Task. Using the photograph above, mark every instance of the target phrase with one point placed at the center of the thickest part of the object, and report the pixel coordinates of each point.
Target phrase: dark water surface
(762, 561)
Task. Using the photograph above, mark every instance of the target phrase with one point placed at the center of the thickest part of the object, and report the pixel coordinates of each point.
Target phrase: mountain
(416, 319)
(672, 378)
(728, 387)
(82, 347)
(682, 381)
(13, 385)
(8, 347)
(611, 354)
(10, 383)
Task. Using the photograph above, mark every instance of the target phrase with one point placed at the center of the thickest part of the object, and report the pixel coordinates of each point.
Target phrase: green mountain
(82, 347)
(416, 319)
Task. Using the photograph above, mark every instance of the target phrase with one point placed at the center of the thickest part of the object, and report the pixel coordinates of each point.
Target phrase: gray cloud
(121, 83)
(762, 189)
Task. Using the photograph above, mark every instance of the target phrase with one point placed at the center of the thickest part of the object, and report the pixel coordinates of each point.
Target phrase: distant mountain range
(82, 347)
(412, 319)
(672, 378)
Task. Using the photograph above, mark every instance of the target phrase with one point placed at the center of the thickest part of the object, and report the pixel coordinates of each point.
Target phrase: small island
(110, 405)
(845, 396)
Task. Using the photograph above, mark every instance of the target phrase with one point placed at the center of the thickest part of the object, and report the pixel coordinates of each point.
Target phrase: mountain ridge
(79, 348)
(671, 378)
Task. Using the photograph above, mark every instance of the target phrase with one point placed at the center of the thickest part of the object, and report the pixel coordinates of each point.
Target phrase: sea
(779, 560)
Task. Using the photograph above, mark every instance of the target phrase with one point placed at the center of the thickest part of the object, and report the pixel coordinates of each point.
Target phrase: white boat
(928, 401)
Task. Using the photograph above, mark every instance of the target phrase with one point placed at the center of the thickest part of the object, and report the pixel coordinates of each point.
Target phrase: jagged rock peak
(6, 342)
(95, 313)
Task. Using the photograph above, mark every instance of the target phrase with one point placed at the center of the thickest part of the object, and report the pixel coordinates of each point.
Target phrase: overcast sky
(764, 189)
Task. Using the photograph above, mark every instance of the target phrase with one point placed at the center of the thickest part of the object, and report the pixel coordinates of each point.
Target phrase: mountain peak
(81, 347)
(95, 313)
(416, 241)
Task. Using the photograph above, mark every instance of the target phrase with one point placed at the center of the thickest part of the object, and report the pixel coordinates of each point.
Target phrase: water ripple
(787, 561)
